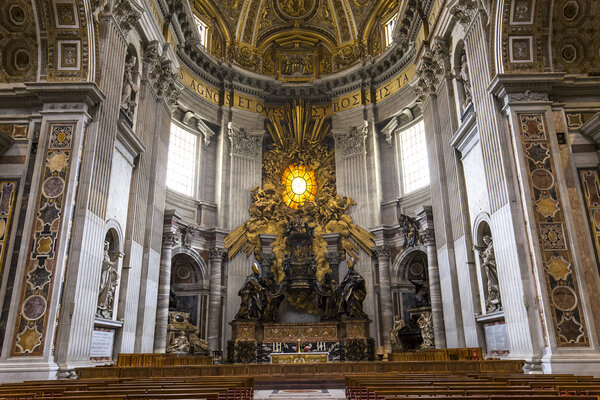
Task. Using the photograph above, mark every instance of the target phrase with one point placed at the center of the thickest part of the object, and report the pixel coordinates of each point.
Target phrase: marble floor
(297, 394)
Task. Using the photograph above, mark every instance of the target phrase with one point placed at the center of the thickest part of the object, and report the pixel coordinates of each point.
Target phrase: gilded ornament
(298, 139)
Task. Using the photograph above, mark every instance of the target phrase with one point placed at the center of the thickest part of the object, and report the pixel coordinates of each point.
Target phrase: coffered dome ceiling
(295, 40)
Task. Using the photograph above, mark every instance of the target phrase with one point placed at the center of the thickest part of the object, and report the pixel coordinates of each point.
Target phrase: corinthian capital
(464, 11)
(126, 13)
(351, 140)
(244, 142)
(169, 239)
(428, 74)
(382, 252)
(216, 254)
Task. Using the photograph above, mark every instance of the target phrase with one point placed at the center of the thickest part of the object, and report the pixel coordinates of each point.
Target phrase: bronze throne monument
(300, 320)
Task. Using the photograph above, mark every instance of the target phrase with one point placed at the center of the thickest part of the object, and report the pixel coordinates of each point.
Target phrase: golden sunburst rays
(298, 128)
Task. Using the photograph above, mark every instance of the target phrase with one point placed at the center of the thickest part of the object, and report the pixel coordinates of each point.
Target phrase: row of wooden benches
(471, 387)
(209, 388)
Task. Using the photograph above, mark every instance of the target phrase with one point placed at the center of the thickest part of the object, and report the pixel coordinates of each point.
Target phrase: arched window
(181, 166)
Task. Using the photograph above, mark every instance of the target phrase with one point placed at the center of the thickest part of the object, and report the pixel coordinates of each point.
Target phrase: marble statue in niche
(129, 91)
(352, 293)
(109, 279)
(464, 78)
(488, 264)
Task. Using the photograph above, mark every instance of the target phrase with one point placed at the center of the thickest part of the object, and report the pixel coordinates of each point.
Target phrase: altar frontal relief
(299, 190)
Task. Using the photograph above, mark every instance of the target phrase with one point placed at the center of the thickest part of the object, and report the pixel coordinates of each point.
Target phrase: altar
(299, 358)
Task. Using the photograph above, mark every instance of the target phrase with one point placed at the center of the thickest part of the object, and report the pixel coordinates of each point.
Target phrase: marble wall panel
(40, 266)
(560, 275)
(8, 195)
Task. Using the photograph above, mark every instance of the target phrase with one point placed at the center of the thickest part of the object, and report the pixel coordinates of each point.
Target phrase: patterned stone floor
(297, 394)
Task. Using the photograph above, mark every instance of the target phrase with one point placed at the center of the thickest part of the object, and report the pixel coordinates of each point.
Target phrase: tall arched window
(181, 166)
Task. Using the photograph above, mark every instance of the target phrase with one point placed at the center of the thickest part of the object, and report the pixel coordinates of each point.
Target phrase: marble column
(382, 253)
(214, 302)
(164, 291)
(425, 217)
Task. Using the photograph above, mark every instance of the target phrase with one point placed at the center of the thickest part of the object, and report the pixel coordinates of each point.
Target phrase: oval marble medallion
(34, 307)
(53, 187)
(542, 179)
(564, 298)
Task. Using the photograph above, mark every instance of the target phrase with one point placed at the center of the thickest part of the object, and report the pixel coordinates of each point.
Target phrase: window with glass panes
(413, 150)
(181, 166)
(389, 30)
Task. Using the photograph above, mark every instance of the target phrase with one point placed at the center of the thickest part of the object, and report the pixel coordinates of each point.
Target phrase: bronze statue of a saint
(273, 297)
(352, 293)
(253, 297)
(328, 298)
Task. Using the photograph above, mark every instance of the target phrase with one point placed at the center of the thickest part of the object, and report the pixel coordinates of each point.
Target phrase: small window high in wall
(415, 165)
(181, 166)
(202, 31)
(388, 29)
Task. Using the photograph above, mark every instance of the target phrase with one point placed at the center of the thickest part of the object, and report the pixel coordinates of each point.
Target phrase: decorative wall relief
(559, 269)
(40, 266)
(8, 194)
(590, 185)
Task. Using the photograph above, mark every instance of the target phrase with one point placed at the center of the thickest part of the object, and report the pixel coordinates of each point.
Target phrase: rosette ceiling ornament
(295, 40)
(299, 187)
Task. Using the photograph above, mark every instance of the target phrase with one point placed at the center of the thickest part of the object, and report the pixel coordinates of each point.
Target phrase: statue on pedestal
(328, 298)
(109, 280)
(425, 322)
(352, 293)
(397, 345)
(253, 297)
(488, 262)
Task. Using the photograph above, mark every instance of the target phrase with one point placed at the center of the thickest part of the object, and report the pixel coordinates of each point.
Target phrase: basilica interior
(266, 182)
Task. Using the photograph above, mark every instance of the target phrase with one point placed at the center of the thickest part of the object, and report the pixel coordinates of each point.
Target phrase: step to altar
(293, 394)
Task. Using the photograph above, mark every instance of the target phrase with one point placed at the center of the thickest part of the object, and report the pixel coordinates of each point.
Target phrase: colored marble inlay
(8, 194)
(559, 273)
(590, 185)
(41, 263)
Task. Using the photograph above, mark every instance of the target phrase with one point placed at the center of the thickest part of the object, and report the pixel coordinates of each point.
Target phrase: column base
(19, 371)
(578, 364)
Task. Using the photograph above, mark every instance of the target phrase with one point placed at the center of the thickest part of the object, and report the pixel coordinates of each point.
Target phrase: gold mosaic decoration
(295, 40)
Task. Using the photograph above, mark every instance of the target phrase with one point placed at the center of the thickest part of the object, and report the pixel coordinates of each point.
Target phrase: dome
(294, 40)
